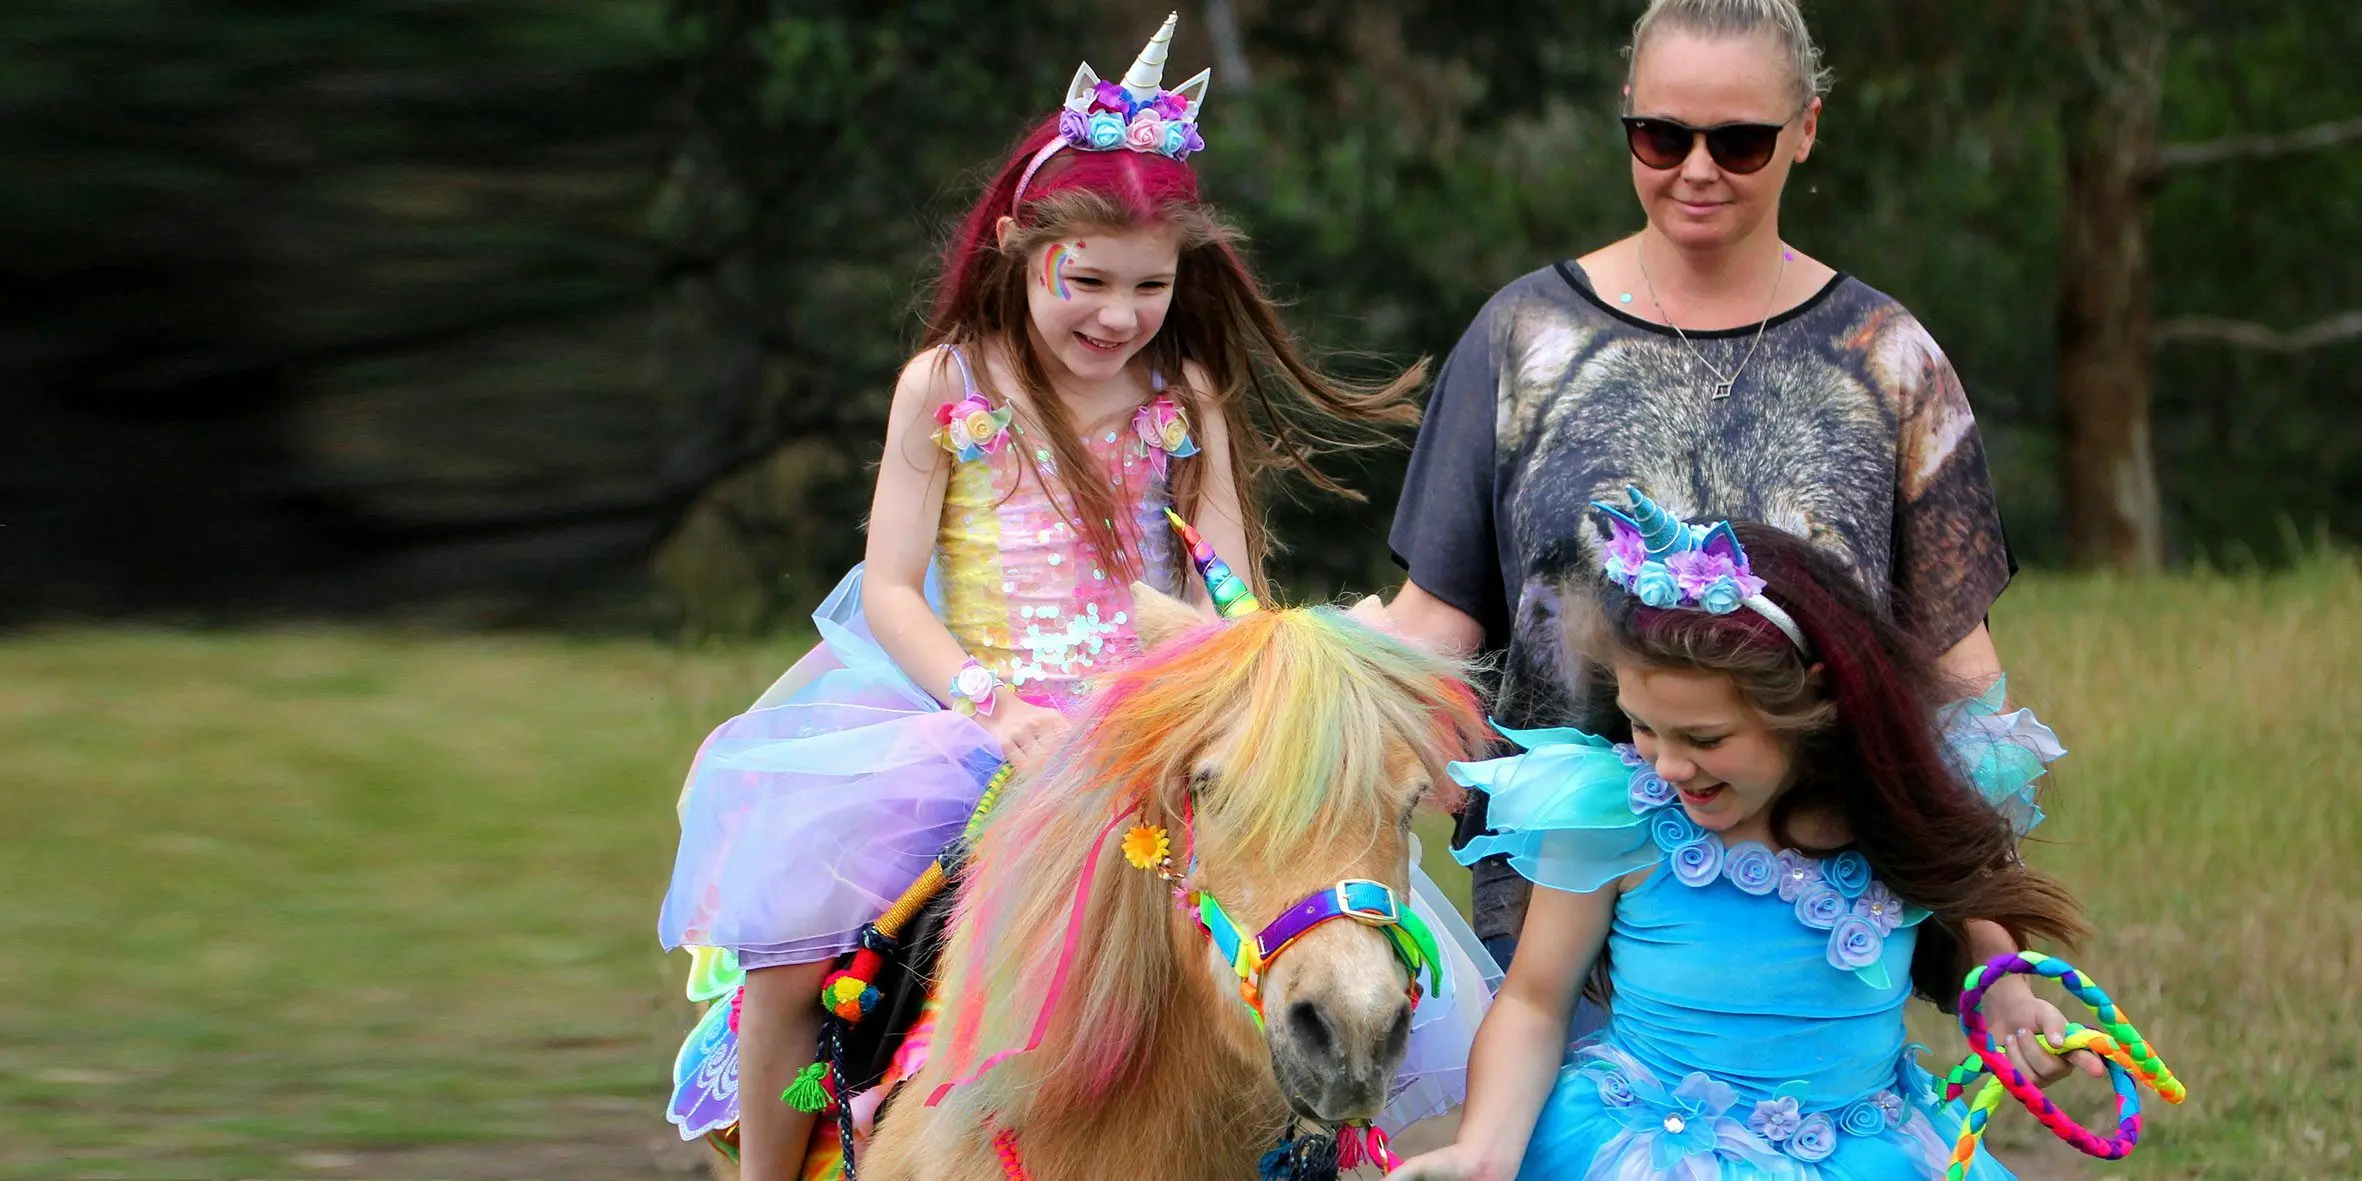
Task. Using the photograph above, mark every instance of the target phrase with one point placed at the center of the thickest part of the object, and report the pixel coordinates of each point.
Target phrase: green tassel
(806, 1094)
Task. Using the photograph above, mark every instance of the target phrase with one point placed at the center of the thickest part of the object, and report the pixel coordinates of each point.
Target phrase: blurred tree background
(585, 314)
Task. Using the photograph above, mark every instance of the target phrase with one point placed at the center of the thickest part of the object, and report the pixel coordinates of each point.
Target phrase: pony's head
(1283, 751)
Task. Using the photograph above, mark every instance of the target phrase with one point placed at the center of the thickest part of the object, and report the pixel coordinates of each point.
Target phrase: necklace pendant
(1722, 388)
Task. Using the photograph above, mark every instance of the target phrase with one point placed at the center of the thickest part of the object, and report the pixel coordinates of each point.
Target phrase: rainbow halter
(1370, 903)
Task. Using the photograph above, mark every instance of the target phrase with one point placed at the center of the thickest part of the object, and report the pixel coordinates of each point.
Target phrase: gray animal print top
(1847, 427)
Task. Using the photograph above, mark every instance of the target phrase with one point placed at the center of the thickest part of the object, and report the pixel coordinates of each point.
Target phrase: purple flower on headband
(1656, 586)
(1182, 139)
(1625, 551)
(1721, 597)
(1110, 96)
(1074, 128)
(1694, 571)
(1171, 105)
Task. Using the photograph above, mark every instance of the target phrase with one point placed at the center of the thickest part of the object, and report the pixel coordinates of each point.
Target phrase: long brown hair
(1283, 412)
(1862, 719)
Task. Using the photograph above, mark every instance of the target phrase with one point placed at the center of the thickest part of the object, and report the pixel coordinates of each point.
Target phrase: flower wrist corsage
(973, 688)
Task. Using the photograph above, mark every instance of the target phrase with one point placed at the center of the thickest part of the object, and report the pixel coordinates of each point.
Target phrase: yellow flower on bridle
(1146, 846)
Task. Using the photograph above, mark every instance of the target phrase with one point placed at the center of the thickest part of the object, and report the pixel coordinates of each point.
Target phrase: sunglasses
(1738, 148)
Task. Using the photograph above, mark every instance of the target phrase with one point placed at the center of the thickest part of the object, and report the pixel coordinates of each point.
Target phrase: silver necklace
(1722, 381)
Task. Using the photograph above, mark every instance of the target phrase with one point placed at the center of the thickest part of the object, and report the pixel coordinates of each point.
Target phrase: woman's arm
(1433, 622)
(1972, 665)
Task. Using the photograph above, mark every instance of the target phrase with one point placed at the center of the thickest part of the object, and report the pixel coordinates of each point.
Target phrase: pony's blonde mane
(1306, 707)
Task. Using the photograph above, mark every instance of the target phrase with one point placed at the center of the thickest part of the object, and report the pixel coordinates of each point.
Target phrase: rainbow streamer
(2128, 1055)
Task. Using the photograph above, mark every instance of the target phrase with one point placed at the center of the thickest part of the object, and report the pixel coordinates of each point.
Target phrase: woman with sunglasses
(1709, 360)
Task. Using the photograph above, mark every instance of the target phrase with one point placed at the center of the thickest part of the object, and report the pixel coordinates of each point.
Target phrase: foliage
(468, 308)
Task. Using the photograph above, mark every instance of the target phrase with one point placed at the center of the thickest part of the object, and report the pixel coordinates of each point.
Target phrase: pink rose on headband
(1147, 132)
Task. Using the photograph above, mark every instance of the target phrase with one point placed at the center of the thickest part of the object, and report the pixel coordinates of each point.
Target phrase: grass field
(353, 903)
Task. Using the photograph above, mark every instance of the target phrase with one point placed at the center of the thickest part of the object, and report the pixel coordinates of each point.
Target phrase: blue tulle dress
(1757, 1029)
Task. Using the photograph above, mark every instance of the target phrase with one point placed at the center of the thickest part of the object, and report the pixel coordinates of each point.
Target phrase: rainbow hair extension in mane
(1309, 715)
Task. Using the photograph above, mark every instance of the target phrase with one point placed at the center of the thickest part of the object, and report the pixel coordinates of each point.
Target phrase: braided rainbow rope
(2127, 1054)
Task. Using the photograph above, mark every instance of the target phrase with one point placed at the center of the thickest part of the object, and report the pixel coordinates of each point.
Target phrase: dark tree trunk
(2109, 128)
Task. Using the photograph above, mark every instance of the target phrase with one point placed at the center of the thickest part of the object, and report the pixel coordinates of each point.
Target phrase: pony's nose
(1336, 1069)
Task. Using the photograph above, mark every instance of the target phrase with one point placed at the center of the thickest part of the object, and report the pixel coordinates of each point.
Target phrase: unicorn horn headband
(1666, 562)
(1136, 113)
(1232, 598)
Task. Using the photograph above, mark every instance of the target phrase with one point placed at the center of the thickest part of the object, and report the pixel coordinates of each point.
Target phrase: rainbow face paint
(1054, 270)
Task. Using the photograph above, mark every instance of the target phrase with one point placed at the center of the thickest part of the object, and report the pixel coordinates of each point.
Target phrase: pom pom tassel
(813, 1091)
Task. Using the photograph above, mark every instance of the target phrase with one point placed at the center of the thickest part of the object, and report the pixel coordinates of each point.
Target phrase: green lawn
(374, 903)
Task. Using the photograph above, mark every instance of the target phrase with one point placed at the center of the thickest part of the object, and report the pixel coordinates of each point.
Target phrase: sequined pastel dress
(806, 816)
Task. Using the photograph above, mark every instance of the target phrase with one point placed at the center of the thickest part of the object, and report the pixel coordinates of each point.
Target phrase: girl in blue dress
(1779, 853)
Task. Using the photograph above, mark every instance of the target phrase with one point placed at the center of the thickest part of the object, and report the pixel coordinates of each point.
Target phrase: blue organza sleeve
(2001, 754)
(1561, 812)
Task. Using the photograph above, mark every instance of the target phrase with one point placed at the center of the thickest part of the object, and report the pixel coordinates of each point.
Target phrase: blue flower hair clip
(1667, 562)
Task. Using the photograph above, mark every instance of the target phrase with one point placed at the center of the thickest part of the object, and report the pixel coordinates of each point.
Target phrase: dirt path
(627, 1150)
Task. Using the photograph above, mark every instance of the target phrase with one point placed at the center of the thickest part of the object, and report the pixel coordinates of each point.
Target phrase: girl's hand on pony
(2016, 1015)
(1455, 1162)
(1025, 731)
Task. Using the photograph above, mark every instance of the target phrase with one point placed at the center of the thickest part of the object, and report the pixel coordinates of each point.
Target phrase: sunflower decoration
(1146, 846)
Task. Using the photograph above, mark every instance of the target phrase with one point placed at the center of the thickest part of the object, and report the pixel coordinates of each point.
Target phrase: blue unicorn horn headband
(1137, 113)
(1667, 562)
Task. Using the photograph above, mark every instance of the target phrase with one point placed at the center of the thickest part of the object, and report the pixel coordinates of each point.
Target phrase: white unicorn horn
(1147, 74)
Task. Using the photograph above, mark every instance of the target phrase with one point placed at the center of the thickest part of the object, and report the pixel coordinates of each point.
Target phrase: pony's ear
(1158, 617)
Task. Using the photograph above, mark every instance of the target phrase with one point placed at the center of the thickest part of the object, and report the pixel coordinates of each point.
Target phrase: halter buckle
(1386, 914)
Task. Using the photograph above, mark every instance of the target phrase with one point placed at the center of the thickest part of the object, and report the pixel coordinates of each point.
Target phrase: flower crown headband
(1666, 562)
(1136, 114)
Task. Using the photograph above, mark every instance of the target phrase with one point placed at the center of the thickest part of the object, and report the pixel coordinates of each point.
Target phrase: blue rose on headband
(1655, 585)
(1107, 131)
(1721, 596)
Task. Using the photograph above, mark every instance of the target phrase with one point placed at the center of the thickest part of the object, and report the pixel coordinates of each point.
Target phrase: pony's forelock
(1309, 701)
